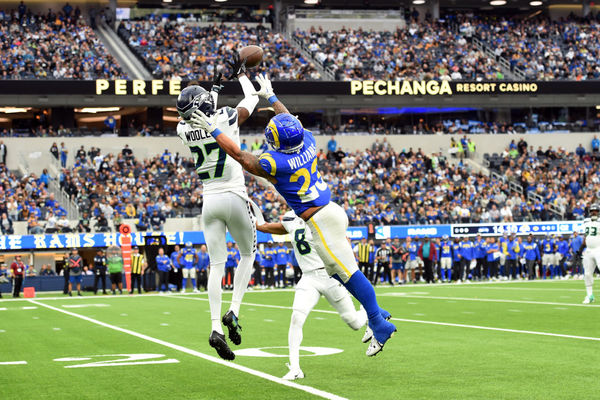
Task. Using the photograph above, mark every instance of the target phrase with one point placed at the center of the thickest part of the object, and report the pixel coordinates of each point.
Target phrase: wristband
(216, 133)
(273, 99)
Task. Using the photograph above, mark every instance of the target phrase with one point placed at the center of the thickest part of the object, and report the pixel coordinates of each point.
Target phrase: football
(252, 54)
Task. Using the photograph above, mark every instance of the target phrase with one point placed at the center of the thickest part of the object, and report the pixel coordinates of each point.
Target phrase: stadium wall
(37, 155)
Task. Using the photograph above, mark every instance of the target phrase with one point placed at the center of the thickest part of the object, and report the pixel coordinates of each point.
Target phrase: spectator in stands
(143, 222)
(157, 221)
(595, 144)
(6, 225)
(33, 225)
(54, 150)
(3, 152)
(580, 150)
(102, 224)
(127, 153)
(63, 155)
(63, 224)
(47, 270)
(51, 223)
(83, 226)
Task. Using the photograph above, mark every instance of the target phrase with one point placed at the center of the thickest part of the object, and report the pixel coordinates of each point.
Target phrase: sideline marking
(488, 328)
(13, 362)
(547, 303)
(260, 374)
(84, 305)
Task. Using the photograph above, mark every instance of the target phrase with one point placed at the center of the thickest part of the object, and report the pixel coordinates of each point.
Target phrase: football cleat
(375, 347)
(589, 299)
(217, 341)
(234, 328)
(369, 332)
(293, 374)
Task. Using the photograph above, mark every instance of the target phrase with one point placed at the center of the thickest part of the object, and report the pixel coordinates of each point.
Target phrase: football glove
(199, 120)
(217, 85)
(266, 89)
(237, 67)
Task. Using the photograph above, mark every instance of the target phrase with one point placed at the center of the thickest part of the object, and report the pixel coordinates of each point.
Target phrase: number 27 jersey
(298, 180)
(219, 172)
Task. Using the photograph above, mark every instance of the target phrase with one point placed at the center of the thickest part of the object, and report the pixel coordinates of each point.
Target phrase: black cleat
(217, 341)
(233, 326)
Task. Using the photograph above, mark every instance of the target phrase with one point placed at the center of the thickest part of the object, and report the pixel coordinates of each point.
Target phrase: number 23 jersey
(219, 172)
(592, 233)
(298, 180)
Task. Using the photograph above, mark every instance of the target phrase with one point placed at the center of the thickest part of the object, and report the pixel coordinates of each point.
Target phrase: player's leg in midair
(214, 228)
(242, 226)
(328, 227)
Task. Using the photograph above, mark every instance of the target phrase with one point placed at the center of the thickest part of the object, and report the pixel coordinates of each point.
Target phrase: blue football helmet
(194, 98)
(285, 133)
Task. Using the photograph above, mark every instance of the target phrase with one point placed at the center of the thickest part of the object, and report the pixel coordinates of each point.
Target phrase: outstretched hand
(266, 89)
(237, 66)
(199, 120)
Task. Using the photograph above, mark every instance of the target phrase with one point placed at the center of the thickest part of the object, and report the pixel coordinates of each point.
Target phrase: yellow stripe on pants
(338, 262)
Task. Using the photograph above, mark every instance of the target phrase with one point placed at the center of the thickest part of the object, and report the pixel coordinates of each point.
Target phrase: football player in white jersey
(226, 204)
(314, 282)
(591, 255)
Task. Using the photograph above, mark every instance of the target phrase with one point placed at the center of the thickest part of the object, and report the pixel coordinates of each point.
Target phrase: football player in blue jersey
(291, 166)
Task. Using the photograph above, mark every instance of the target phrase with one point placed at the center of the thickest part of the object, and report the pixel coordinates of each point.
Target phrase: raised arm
(247, 160)
(272, 227)
(245, 107)
(267, 93)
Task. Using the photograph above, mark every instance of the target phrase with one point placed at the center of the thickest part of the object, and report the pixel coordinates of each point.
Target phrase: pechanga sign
(437, 88)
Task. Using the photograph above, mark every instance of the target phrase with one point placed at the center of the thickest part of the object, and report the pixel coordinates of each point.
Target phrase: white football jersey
(592, 233)
(219, 172)
(301, 238)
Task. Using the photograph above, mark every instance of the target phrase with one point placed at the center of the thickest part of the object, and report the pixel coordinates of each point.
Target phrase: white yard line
(260, 374)
(13, 362)
(488, 328)
(548, 303)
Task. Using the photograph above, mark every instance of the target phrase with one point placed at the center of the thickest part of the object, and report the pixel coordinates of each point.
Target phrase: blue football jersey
(298, 180)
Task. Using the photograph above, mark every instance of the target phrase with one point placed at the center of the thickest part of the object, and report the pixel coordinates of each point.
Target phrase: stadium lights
(220, 1)
(417, 2)
(14, 110)
(167, 1)
(94, 110)
(497, 2)
(311, 2)
(535, 3)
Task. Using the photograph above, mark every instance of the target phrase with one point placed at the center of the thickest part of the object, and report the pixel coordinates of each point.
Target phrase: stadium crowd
(175, 49)
(542, 48)
(423, 50)
(57, 45)
(378, 185)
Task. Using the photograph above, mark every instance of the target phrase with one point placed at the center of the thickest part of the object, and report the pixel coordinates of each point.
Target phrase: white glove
(266, 89)
(199, 120)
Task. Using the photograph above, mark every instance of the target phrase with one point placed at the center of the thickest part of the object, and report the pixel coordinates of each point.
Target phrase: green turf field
(522, 340)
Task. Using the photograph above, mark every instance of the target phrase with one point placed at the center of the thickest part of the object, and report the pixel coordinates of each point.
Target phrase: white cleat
(374, 347)
(293, 374)
(182, 291)
(589, 299)
(368, 334)
(196, 290)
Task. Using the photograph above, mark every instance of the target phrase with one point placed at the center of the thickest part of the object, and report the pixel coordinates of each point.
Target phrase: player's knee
(352, 319)
(298, 318)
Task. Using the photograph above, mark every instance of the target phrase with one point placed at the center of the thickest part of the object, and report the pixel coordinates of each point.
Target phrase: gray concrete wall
(36, 150)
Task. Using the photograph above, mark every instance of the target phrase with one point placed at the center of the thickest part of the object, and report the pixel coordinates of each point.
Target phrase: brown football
(252, 54)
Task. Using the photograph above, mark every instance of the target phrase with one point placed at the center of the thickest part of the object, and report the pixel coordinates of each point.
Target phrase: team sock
(194, 283)
(183, 283)
(295, 338)
(215, 278)
(240, 282)
(360, 287)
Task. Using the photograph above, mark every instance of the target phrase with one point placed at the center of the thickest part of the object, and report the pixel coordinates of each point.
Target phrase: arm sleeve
(250, 100)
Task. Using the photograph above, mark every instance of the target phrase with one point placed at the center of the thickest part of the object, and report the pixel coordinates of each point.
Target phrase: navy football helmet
(194, 98)
(285, 133)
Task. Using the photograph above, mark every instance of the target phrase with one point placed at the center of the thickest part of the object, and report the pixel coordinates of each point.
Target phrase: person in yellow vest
(363, 251)
(138, 265)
